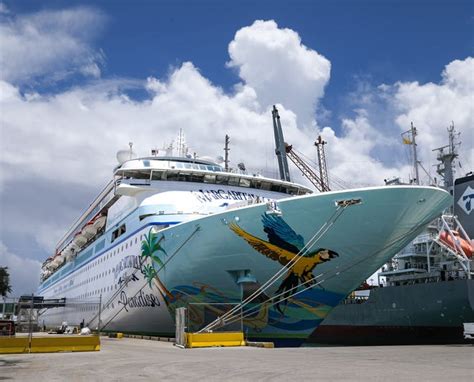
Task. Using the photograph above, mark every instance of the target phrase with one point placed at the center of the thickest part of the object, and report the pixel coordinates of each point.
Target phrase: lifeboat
(447, 239)
(57, 261)
(73, 247)
(69, 255)
(99, 222)
(79, 239)
(89, 230)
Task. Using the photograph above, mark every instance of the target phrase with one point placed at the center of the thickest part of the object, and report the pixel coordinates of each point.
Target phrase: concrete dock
(130, 359)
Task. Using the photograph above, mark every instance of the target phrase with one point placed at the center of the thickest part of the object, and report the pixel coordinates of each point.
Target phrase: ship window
(234, 181)
(197, 178)
(222, 179)
(118, 232)
(209, 178)
(172, 177)
(275, 187)
(244, 182)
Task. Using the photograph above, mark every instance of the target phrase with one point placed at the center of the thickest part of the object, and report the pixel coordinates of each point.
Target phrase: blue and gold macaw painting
(283, 245)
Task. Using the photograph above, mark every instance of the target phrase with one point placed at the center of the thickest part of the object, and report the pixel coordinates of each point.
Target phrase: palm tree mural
(151, 246)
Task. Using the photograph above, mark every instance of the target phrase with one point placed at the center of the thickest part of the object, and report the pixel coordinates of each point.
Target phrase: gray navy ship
(426, 292)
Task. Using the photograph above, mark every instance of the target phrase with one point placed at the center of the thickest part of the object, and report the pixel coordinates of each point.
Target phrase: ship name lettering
(142, 300)
(210, 195)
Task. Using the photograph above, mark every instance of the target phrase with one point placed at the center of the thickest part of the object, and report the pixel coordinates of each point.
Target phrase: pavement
(129, 359)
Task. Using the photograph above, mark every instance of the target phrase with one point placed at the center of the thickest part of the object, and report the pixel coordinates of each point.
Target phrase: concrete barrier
(197, 340)
(49, 344)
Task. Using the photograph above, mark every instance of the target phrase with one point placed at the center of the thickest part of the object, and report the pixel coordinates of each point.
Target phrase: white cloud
(368, 147)
(352, 155)
(4, 9)
(49, 44)
(24, 272)
(274, 62)
(432, 107)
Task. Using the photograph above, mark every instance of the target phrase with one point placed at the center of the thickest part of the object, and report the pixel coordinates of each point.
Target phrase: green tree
(5, 286)
(150, 248)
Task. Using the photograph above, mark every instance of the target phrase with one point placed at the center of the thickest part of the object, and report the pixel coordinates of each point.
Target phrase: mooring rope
(316, 237)
(329, 274)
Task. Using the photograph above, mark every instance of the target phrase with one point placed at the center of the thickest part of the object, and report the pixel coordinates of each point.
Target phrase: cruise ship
(181, 231)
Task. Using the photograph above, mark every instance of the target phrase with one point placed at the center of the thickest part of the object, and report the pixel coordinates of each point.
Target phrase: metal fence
(35, 314)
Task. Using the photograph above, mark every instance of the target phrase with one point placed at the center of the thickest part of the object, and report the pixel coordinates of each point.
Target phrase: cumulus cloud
(49, 45)
(434, 106)
(24, 272)
(280, 68)
(353, 154)
(371, 140)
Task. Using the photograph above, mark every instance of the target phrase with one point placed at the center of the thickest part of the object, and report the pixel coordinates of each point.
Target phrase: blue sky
(79, 80)
(377, 41)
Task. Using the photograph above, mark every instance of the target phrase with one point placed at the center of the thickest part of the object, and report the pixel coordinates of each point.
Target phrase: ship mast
(411, 140)
(446, 158)
(226, 152)
(323, 171)
(181, 144)
(415, 156)
(280, 150)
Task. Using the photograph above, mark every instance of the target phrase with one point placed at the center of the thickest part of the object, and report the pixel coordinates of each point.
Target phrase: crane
(307, 171)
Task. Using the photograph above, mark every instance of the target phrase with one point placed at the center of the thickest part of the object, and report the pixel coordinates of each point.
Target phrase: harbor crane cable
(196, 229)
(316, 237)
(254, 309)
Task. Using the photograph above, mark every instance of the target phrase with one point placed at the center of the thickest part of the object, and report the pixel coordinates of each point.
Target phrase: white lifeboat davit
(99, 222)
(79, 239)
(89, 230)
